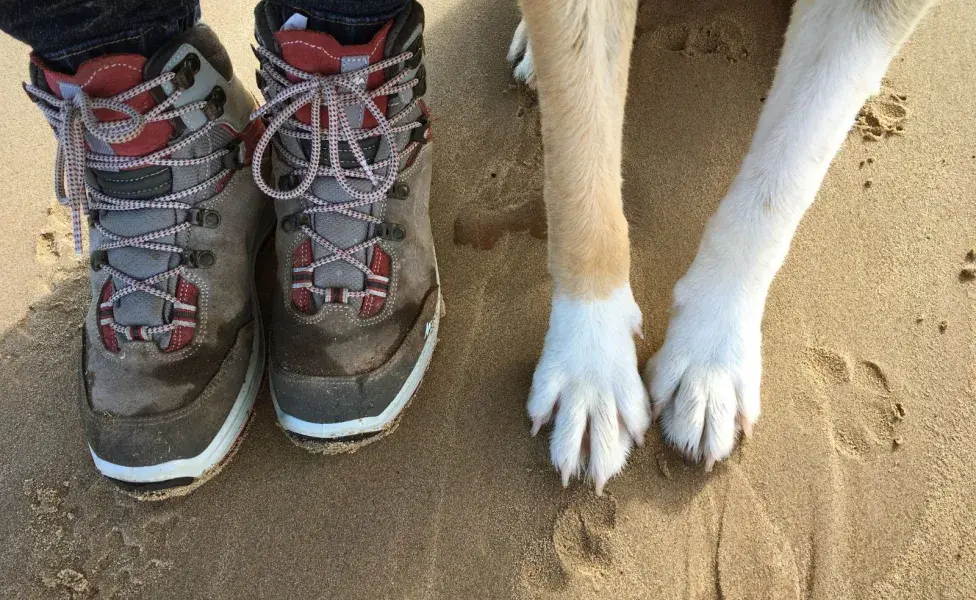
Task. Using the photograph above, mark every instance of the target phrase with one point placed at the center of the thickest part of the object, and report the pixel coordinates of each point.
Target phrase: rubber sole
(349, 444)
(175, 488)
(349, 436)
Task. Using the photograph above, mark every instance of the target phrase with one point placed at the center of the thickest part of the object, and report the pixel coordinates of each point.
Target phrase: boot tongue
(318, 52)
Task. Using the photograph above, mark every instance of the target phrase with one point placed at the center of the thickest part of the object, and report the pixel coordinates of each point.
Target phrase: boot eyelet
(198, 259)
(236, 155)
(400, 191)
(391, 231)
(288, 223)
(202, 217)
(206, 259)
(215, 103)
(414, 61)
(98, 259)
(420, 134)
(185, 71)
(288, 182)
(421, 87)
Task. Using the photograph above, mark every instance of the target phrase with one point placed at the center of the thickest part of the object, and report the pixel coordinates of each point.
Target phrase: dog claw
(746, 426)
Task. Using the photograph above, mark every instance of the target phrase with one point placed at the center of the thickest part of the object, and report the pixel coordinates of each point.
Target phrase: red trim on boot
(107, 76)
(318, 52)
(187, 293)
(302, 296)
(378, 284)
(250, 136)
(106, 316)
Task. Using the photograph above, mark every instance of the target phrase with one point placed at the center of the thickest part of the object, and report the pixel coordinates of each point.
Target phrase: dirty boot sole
(176, 488)
(349, 444)
(349, 436)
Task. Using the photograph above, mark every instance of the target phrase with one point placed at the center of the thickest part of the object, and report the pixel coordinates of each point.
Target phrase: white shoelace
(334, 93)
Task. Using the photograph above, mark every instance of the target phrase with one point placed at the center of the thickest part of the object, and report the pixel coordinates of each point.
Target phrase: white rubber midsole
(367, 424)
(218, 448)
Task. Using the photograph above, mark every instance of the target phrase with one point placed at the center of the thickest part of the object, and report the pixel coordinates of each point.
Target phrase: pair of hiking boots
(172, 165)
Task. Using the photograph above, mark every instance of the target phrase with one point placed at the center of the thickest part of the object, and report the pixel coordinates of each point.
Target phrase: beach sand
(858, 482)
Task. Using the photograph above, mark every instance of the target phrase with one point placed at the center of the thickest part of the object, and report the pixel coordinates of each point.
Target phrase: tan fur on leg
(581, 50)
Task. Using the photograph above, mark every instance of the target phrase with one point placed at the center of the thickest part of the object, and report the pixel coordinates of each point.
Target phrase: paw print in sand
(864, 412)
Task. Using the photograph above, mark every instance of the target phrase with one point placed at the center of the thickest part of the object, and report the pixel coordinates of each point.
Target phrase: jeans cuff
(142, 39)
(343, 12)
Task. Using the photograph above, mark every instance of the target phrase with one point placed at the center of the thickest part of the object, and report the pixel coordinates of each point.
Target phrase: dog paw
(587, 383)
(520, 56)
(704, 381)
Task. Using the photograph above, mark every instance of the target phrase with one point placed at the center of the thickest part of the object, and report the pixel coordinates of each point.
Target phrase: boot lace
(287, 90)
(73, 118)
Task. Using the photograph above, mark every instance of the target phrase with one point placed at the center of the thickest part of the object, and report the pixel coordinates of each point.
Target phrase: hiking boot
(354, 320)
(156, 153)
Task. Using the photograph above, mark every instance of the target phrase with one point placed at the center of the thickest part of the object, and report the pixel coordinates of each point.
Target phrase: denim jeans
(66, 33)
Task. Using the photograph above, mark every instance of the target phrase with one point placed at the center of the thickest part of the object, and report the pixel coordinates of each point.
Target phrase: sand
(857, 484)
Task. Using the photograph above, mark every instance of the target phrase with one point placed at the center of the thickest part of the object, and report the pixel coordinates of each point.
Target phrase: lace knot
(288, 90)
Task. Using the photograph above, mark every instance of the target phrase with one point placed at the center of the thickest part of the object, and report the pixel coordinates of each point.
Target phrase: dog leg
(705, 379)
(586, 379)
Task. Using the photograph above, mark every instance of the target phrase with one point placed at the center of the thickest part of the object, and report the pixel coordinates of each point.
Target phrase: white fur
(520, 55)
(709, 369)
(588, 376)
(705, 379)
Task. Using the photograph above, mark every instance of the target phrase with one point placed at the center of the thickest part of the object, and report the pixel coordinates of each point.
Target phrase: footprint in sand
(754, 560)
(122, 562)
(581, 536)
(513, 194)
(54, 250)
(715, 541)
(882, 116)
(863, 410)
(483, 228)
(55, 241)
(74, 562)
(70, 584)
(579, 553)
(721, 36)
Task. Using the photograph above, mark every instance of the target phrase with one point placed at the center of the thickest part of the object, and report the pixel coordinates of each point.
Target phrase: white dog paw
(587, 382)
(520, 56)
(705, 379)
